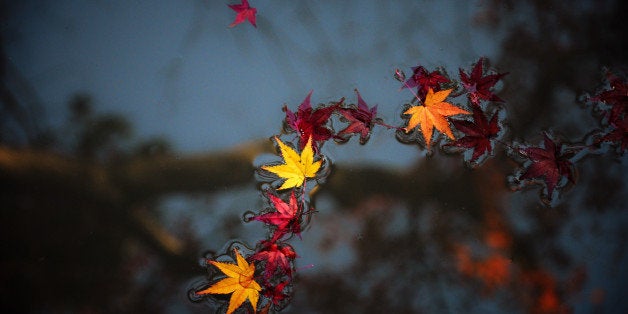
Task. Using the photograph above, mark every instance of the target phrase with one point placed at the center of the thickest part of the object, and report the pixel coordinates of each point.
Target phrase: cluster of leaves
(479, 127)
(287, 194)
(553, 163)
(472, 130)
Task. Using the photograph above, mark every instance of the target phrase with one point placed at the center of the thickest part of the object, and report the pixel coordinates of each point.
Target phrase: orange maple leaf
(432, 114)
(239, 282)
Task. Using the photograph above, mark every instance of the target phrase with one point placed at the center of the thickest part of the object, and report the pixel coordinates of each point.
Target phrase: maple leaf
(285, 218)
(549, 162)
(239, 282)
(277, 258)
(311, 123)
(432, 114)
(478, 134)
(361, 120)
(616, 97)
(424, 81)
(478, 86)
(243, 12)
(618, 134)
(275, 293)
(296, 168)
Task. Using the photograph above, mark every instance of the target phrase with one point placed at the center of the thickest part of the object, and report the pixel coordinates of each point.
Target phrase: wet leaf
(479, 133)
(239, 282)
(549, 163)
(479, 86)
(433, 114)
(361, 120)
(311, 123)
(296, 168)
(424, 81)
(618, 133)
(277, 258)
(285, 218)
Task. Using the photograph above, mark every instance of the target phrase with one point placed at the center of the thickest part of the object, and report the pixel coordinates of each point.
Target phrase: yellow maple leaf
(433, 114)
(296, 168)
(239, 282)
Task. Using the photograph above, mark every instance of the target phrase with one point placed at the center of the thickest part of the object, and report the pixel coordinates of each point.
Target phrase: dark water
(130, 134)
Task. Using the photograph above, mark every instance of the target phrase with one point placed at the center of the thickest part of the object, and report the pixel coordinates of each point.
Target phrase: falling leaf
(361, 120)
(239, 282)
(285, 218)
(296, 168)
(549, 163)
(311, 123)
(433, 114)
(478, 134)
(424, 81)
(478, 86)
(243, 12)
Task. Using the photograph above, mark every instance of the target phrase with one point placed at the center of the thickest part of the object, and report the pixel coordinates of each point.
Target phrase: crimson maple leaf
(616, 97)
(308, 122)
(478, 134)
(618, 134)
(277, 258)
(243, 12)
(478, 86)
(361, 120)
(550, 163)
(286, 217)
(276, 292)
(424, 81)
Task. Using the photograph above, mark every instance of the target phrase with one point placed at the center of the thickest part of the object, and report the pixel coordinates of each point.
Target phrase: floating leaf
(479, 133)
(285, 218)
(296, 168)
(424, 81)
(239, 282)
(277, 258)
(478, 86)
(361, 120)
(550, 163)
(311, 123)
(432, 114)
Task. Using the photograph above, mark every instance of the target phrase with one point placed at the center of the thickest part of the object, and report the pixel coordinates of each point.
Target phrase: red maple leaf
(424, 81)
(361, 120)
(244, 12)
(286, 217)
(275, 292)
(550, 162)
(616, 97)
(618, 134)
(478, 134)
(478, 86)
(310, 122)
(277, 257)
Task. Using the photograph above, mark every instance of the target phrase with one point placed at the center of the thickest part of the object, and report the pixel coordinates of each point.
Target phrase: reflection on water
(95, 219)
